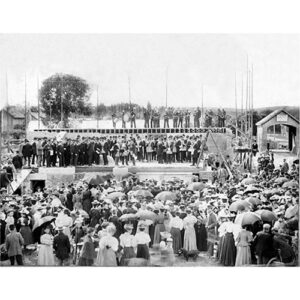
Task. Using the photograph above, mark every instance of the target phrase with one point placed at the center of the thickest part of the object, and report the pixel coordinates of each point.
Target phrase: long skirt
(26, 233)
(176, 236)
(189, 242)
(127, 255)
(228, 253)
(143, 251)
(106, 258)
(85, 261)
(45, 256)
(201, 238)
(243, 256)
(220, 245)
(158, 229)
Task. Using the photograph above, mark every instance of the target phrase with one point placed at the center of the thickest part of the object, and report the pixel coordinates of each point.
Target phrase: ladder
(20, 178)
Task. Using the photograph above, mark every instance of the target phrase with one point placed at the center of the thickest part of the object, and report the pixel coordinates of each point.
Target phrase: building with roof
(278, 131)
(11, 118)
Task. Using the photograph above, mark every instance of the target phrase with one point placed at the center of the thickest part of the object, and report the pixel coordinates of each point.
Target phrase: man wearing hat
(14, 242)
(62, 247)
(263, 245)
(27, 152)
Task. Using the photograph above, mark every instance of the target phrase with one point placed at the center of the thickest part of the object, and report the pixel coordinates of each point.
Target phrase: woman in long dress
(25, 230)
(159, 227)
(142, 240)
(189, 242)
(45, 255)
(128, 245)
(244, 239)
(176, 225)
(108, 246)
(201, 234)
(228, 251)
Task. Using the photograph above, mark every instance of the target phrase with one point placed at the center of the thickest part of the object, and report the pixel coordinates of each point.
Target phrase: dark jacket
(61, 245)
(27, 150)
(88, 249)
(17, 161)
(263, 244)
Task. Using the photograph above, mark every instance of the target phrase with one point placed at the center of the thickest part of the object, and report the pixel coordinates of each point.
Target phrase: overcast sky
(192, 60)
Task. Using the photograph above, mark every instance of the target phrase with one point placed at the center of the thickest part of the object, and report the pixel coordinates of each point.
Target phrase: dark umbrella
(239, 205)
(247, 218)
(266, 215)
(96, 180)
(293, 224)
(251, 189)
(38, 227)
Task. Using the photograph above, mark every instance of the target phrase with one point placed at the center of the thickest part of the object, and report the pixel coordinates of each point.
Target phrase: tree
(67, 91)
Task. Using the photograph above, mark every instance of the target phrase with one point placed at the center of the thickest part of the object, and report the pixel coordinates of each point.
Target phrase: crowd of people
(241, 220)
(97, 150)
(182, 118)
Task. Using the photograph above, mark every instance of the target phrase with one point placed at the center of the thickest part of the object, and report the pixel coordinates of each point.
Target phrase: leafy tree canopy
(70, 91)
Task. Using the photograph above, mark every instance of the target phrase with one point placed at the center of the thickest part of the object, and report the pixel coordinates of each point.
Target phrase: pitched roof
(274, 114)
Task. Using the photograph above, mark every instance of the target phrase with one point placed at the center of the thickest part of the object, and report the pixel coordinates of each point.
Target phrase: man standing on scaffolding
(132, 119)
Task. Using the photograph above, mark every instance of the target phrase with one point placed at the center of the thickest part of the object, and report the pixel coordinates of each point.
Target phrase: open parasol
(144, 194)
(247, 218)
(196, 186)
(253, 200)
(291, 211)
(248, 181)
(251, 189)
(128, 217)
(43, 222)
(281, 180)
(146, 215)
(291, 184)
(115, 195)
(165, 195)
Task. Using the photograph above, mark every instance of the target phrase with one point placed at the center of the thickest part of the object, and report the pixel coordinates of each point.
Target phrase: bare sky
(193, 60)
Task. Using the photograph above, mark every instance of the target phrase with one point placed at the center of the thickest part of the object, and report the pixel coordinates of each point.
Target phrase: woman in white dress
(108, 246)
(128, 245)
(189, 242)
(45, 255)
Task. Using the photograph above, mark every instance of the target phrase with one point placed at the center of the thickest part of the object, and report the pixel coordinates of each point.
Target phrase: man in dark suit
(60, 154)
(27, 152)
(62, 247)
(105, 151)
(97, 152)
(34, 152)
(263, 245)
(17, 161)
(90, 151)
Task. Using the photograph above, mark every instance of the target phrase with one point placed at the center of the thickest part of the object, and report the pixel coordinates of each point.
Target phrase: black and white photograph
(149, 150)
